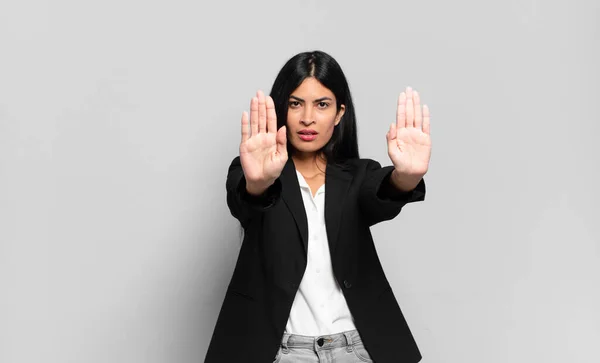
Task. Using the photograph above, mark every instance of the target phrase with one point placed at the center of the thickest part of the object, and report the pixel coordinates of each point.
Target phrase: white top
(319, 306)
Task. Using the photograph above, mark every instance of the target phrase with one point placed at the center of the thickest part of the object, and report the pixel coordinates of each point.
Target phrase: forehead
(311, 87)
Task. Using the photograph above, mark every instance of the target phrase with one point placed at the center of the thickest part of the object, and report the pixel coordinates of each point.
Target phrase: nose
(307, 117)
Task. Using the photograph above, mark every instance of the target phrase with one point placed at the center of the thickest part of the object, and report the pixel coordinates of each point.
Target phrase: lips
(307, 132)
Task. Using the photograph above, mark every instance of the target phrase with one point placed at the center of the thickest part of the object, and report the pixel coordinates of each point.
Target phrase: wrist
(404, 182)
(257, 189)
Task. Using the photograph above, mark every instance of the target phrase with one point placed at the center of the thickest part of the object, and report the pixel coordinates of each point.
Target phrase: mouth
(307, 135)
(307, 132)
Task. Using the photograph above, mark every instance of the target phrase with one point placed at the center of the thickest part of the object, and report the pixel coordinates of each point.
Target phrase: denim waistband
(326, 341)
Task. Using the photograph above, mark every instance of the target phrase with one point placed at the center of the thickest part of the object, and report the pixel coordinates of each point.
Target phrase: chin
(307, 148)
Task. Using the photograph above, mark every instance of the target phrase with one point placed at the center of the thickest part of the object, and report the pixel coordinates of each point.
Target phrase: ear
(339, 115)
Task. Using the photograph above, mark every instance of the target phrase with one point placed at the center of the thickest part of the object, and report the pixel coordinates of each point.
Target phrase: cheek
(293, 117)
(327, 119)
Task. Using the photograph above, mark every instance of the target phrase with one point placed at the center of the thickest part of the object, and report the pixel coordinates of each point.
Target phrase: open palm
(263, 151)
(409, 140)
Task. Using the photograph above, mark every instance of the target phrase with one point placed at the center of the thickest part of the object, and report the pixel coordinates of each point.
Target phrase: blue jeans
(345, 347)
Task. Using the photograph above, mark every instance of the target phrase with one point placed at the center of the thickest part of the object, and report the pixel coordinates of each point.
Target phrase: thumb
(281, 139)
(391, 137)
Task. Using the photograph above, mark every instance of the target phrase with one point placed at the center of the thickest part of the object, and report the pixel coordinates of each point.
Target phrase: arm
(386, 190)
(379, 198)
(243, 205)
(253, 184)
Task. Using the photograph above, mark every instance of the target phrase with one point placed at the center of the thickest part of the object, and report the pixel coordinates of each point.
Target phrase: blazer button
(347, 284)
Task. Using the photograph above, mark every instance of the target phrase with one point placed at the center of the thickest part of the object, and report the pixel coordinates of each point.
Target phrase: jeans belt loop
(349, 342)
(284, 346)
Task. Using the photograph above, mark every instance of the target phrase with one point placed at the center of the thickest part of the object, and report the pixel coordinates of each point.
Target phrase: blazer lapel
(337, 182)
(292, 197)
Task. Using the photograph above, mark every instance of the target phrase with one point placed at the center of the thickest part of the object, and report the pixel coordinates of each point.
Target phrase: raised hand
(409, 141)
(263, 151)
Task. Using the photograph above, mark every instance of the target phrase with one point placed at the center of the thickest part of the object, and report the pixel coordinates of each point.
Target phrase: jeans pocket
(361, 352)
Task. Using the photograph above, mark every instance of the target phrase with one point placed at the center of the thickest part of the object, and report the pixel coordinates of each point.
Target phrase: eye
(294, 104)
(323, 104)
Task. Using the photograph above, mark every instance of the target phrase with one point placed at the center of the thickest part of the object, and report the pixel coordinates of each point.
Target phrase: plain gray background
(118, 120)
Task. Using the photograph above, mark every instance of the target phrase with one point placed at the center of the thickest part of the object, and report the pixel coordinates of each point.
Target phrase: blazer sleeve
(379, 199)
(243, 205)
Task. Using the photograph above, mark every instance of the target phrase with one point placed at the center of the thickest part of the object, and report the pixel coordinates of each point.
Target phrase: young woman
(308, 285)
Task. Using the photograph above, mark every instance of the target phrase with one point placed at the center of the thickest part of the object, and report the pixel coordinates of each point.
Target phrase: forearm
(242, 204)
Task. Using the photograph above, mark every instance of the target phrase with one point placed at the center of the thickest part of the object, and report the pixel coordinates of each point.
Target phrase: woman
(308, 285)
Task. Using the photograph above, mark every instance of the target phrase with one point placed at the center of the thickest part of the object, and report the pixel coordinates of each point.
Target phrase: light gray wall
(118, 120)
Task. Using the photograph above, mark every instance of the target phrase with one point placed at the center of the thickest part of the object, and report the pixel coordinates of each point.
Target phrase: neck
(309, 163)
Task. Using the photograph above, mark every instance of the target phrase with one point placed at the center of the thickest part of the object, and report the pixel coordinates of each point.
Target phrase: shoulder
(357, 165)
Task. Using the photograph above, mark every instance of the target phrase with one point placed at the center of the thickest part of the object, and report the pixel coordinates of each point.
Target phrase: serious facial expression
(312, 116)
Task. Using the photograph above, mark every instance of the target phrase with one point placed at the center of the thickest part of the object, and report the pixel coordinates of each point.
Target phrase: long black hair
(343, 144)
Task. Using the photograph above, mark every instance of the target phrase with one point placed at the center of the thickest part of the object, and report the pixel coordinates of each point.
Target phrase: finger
(401, 111)
(245, 130)
(418, 115)
(282, 140)
(254, 116)
(391, 137)
(271, 116)
(262, 112)
(410, 111)
(426, 116)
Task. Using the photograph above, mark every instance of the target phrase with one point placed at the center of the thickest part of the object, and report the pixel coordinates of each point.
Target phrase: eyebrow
(317, 100)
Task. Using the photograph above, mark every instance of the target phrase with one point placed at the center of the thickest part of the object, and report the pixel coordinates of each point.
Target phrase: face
(311, 116)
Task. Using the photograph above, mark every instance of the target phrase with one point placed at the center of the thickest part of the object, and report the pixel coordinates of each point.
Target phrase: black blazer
(272, 260)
